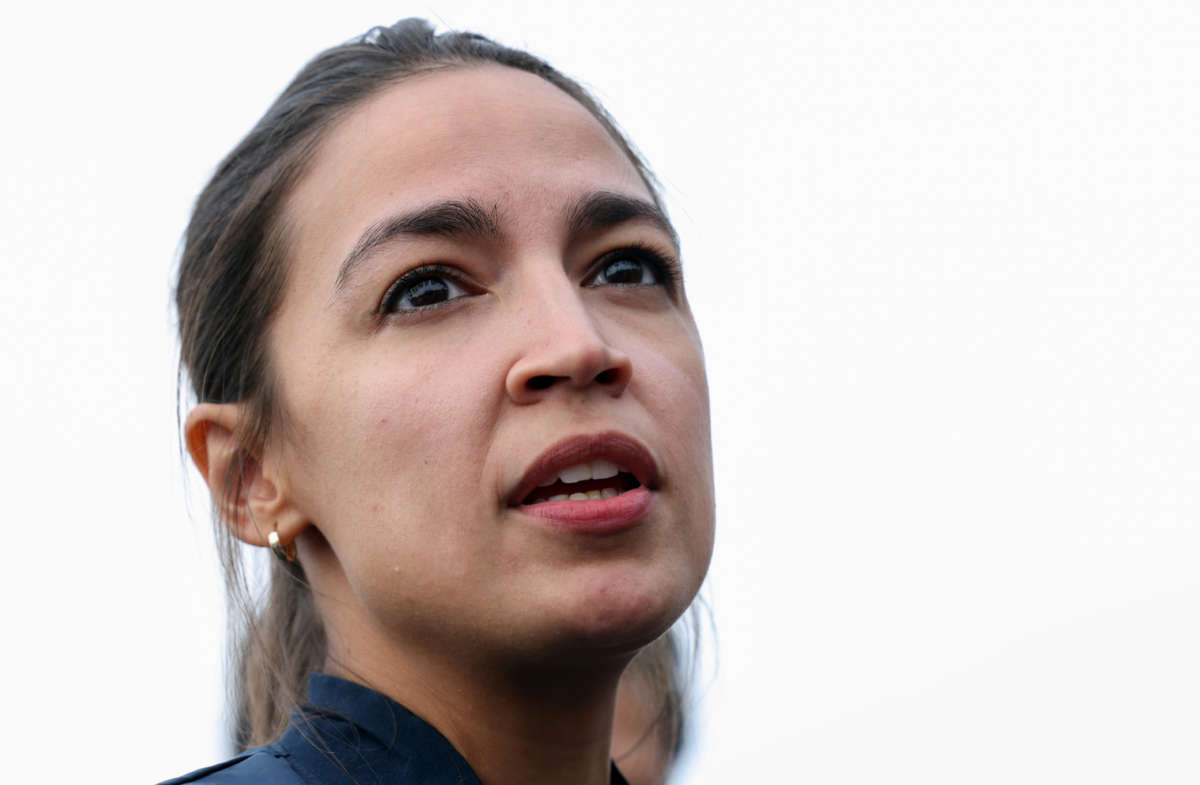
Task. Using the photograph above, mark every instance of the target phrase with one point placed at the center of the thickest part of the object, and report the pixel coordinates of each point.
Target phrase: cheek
(675, 391)
(391, 446)
(393, 452)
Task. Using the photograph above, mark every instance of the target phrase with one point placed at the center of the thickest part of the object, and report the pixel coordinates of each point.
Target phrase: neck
(513, 724)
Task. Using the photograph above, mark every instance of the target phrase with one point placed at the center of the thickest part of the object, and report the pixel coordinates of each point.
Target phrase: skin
(637, 744)
(404, 433)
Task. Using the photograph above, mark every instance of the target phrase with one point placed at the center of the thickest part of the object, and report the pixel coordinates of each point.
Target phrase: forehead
(506, 138)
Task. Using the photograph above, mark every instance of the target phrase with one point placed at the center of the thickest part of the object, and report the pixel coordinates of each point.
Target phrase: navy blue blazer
(347, 733)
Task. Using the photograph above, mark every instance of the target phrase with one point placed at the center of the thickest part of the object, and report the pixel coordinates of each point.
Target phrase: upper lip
(619, 448)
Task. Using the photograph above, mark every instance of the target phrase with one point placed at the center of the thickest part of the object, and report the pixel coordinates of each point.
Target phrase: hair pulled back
(231, 275)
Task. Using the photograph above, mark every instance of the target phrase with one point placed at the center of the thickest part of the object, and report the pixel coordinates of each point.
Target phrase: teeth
(602, 470)
(594, 495)
(596, 470)
(576, 473)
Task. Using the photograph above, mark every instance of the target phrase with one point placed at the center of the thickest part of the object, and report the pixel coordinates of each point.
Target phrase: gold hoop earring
(285, 553)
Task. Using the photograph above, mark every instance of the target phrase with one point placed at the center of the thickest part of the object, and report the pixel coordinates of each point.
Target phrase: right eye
(421, 289)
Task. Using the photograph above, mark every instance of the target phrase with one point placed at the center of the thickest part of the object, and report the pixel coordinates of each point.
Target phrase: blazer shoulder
(259, 765)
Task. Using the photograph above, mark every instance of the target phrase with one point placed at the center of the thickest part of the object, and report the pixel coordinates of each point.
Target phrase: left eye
(629, 269)
(419, 290)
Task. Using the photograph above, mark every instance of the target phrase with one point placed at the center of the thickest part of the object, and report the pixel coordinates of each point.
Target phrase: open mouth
(592, 468)
(592, 480)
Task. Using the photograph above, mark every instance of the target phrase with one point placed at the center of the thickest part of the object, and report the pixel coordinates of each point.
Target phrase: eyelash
(406, 282)
(666, 270)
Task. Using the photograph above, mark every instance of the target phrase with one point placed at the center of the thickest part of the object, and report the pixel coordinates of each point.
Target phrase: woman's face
(481, 300)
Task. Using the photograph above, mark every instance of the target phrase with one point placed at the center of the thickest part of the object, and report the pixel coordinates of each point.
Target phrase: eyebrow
(468, 219)
(604, 210)
(452, 219)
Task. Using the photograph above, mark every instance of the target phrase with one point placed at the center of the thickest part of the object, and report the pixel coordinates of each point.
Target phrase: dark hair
(231, 276)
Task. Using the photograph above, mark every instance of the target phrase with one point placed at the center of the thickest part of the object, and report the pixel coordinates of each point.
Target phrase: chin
(613, 617)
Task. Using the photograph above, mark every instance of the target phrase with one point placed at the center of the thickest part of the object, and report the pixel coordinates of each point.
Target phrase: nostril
(541, 382)
(606, 377)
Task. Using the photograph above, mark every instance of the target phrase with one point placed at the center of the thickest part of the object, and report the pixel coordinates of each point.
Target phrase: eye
(421, 289)
(635, 266)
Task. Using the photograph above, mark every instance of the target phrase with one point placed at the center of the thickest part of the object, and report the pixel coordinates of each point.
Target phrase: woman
(432, 313)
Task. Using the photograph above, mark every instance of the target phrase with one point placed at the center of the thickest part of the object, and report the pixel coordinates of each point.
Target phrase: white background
(944, 258)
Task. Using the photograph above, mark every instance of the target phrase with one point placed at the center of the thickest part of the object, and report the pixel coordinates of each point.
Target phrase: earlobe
(249, 499)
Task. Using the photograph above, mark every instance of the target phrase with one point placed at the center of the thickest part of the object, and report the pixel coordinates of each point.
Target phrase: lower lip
(596, 516)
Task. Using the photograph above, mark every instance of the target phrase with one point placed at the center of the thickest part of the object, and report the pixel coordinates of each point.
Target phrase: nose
(564, 350)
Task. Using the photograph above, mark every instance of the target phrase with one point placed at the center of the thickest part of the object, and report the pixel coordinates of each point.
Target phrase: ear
(251, 499)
